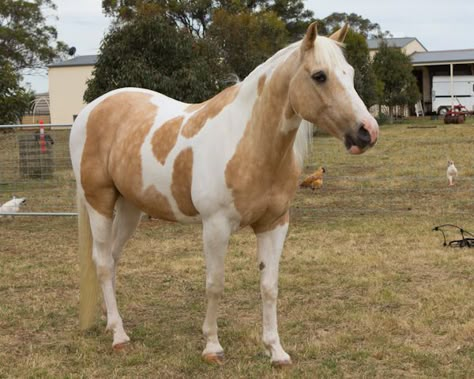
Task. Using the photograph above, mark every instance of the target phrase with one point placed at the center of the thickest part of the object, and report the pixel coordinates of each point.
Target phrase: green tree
(193, 15)
(27, 44)
(26, 41)
(246, 39)
(358, 24)
(394, 70)
(294, 15)
(357, 53)
(149, 52)
(198, 15)
(227, 36)
(14, 100)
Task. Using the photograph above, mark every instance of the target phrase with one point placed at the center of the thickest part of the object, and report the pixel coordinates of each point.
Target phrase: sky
(437, 24)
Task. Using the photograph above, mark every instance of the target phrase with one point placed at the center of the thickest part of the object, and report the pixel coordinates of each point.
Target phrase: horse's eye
(319, 76)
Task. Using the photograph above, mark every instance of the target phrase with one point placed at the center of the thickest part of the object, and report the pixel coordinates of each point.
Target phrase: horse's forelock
(329, 52)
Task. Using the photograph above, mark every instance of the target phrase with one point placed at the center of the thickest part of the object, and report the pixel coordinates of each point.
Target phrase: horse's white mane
(327, 51)
(274, 61)
(303, 142)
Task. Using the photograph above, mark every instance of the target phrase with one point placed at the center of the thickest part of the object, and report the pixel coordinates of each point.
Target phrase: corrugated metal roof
(374, 43)
(82, 60)
(443, 57)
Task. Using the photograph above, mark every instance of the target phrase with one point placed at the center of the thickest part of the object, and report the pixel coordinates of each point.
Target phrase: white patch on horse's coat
(214, 145)
(213, 148)
(159, 175)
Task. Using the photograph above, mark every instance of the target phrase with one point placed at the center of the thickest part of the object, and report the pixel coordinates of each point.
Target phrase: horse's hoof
(214, 358)
(120, 346)
(282, 364)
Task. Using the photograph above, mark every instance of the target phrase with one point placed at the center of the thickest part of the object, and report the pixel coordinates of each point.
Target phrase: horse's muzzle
(365, 137)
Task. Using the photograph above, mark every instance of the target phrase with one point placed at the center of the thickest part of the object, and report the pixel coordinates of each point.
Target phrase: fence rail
(29, 214)
(35, 126)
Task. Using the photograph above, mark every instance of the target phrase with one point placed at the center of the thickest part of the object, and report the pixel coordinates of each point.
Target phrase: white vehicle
(463, 92)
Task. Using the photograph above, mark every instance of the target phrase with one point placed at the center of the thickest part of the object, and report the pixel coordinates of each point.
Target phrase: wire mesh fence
(404, 174)
(37, 168)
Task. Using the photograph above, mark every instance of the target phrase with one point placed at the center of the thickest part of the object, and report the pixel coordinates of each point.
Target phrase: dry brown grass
(366, 288)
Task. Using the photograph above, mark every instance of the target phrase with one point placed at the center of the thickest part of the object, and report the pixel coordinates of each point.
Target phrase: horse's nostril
(349, 141)
(363, 136)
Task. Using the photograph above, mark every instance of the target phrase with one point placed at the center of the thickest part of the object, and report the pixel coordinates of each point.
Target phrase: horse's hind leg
(126, 220)
(101, 227)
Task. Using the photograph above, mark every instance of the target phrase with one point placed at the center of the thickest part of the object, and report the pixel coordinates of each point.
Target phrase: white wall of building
(66, 90)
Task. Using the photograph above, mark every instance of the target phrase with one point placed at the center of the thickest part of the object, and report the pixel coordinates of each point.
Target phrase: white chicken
(13, 205)
(451, 173)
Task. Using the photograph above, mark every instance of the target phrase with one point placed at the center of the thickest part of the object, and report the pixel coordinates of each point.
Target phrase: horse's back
(106, 141)
(113, 109)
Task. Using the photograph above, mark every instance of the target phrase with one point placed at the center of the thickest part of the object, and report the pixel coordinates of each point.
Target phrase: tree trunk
(390, 114)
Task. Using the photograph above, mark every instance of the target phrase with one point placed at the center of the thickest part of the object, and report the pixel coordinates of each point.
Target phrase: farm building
(407, 45)
(67, 79)
(67, 84)
(429, 64)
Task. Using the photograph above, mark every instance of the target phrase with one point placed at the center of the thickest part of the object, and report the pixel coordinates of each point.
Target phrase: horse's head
(322, 92)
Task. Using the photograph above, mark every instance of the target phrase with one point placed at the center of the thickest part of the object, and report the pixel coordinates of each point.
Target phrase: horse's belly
(161, 192)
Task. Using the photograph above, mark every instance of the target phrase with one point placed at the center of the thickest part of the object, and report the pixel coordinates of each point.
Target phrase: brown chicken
(315, 180)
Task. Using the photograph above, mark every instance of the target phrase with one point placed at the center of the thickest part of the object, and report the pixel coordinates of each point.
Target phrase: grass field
(366, 288)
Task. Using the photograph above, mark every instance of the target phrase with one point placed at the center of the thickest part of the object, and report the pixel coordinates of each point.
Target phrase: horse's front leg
(216, 234)
(270, 246)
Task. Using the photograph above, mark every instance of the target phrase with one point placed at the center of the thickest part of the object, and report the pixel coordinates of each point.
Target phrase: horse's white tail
(89, 285)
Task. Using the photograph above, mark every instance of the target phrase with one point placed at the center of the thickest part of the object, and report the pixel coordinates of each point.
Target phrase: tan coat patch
(182, 182)
(208, 110)
(266, 225)
(111, 160)
(165, 138)
(156, 205)
(263, 173)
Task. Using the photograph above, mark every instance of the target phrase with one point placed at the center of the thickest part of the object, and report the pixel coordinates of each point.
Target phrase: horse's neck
(273, 124)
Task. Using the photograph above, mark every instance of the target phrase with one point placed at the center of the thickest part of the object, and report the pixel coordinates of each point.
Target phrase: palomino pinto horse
(229, 162)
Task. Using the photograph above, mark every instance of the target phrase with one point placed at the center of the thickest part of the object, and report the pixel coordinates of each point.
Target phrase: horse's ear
(340, 35)
(310, 36)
